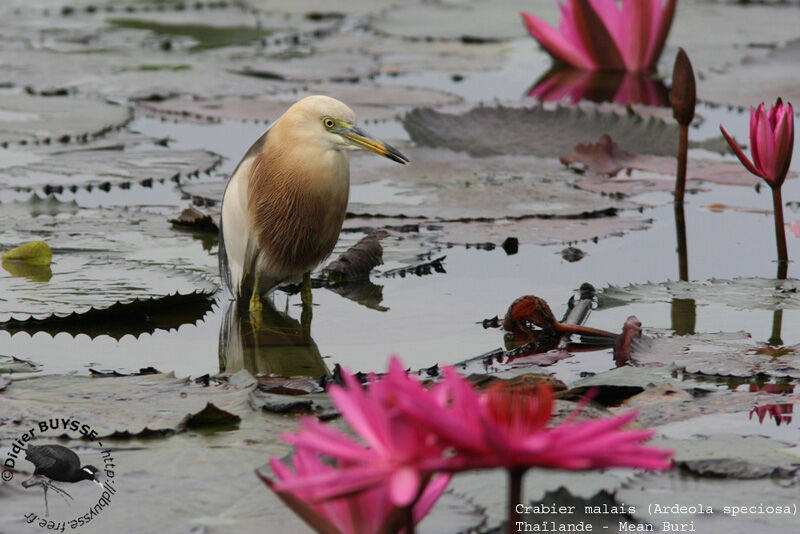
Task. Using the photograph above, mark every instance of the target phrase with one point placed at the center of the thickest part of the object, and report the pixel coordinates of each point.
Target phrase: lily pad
(721, 355)
(369, 102)
(333, 67)
(10, 364)
(739, 293)
(478, 21)
(323, 8)
(536, 130)
(697, 495)
(447, 185)
(659, 405)
(142, 405)
(38, 119)
(397, 55)
(113, 160)
(103, 258)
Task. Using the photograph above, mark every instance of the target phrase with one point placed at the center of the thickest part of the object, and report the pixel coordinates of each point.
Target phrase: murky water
(433, 318)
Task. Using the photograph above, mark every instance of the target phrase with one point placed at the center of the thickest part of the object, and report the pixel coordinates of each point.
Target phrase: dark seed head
(683, 95)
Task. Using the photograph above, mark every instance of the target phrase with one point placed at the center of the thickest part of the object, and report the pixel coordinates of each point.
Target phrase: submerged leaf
(36, 253)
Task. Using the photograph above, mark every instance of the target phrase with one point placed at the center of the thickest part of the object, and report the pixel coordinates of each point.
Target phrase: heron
(285, 203)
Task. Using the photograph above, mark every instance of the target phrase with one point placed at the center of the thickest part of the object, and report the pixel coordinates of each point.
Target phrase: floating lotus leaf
(398, 56)
(369, 102)
(27, 118)
(113, 160)
(122, 406)
(101, 258)
(130, 52)
(10, 364)
(720, 355)
(489, 488)
(37, 205)
(447, 185)
(756, 80)
(537, 130)
(325, 8)
(481, 21)
(333, 67)
(739, 293)
(744, 31)
(659, 405)
(675, 488)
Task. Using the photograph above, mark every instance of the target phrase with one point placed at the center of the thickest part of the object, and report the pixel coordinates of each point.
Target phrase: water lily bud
(683, 95)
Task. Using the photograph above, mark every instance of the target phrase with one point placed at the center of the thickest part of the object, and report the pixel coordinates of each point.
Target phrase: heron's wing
(224, 266)
(45, 457)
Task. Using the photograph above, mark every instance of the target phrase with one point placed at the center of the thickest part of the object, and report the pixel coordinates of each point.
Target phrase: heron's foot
(255, 302)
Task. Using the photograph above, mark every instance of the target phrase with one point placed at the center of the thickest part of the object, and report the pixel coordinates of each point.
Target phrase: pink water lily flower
(601, 35)
(508, 429)
(771, 142)
(397, 453)
(368, 512)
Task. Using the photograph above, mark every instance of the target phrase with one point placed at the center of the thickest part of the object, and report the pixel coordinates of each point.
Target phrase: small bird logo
(56, 463)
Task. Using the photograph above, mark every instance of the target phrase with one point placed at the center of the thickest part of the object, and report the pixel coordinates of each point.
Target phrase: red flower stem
(582, 330)
(514, 498)
(683, 148)
(683, 251)
(408, 512)
(777, 321)
(780, 231)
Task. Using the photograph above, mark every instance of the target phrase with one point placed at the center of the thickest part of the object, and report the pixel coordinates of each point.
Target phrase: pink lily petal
(404, 486)
(555, 43)
(660, 38)
(430, 495)
(740, 153)
(595, 37)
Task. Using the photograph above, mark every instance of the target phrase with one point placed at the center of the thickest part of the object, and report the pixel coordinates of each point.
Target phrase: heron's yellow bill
(362, 139)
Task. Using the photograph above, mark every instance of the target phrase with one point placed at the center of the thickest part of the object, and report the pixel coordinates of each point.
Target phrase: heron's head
(329, 122)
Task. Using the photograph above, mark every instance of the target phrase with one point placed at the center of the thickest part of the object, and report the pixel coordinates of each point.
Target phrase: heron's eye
(328, 123)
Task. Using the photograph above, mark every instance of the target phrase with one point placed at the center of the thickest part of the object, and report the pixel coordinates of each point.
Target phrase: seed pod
(683, 95)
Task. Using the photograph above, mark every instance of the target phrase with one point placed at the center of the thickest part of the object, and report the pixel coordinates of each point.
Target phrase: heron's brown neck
(297, 199)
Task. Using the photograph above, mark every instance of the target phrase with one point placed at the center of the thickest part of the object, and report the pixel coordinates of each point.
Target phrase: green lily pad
(36, 253)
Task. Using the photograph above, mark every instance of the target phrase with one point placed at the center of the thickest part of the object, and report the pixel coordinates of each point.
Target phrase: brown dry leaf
(357, 261)
(720, 208)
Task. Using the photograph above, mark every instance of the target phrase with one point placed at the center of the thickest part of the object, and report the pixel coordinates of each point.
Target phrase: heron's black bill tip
(395, 155)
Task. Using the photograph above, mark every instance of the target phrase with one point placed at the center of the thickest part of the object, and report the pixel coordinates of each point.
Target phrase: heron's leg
(255, 298)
